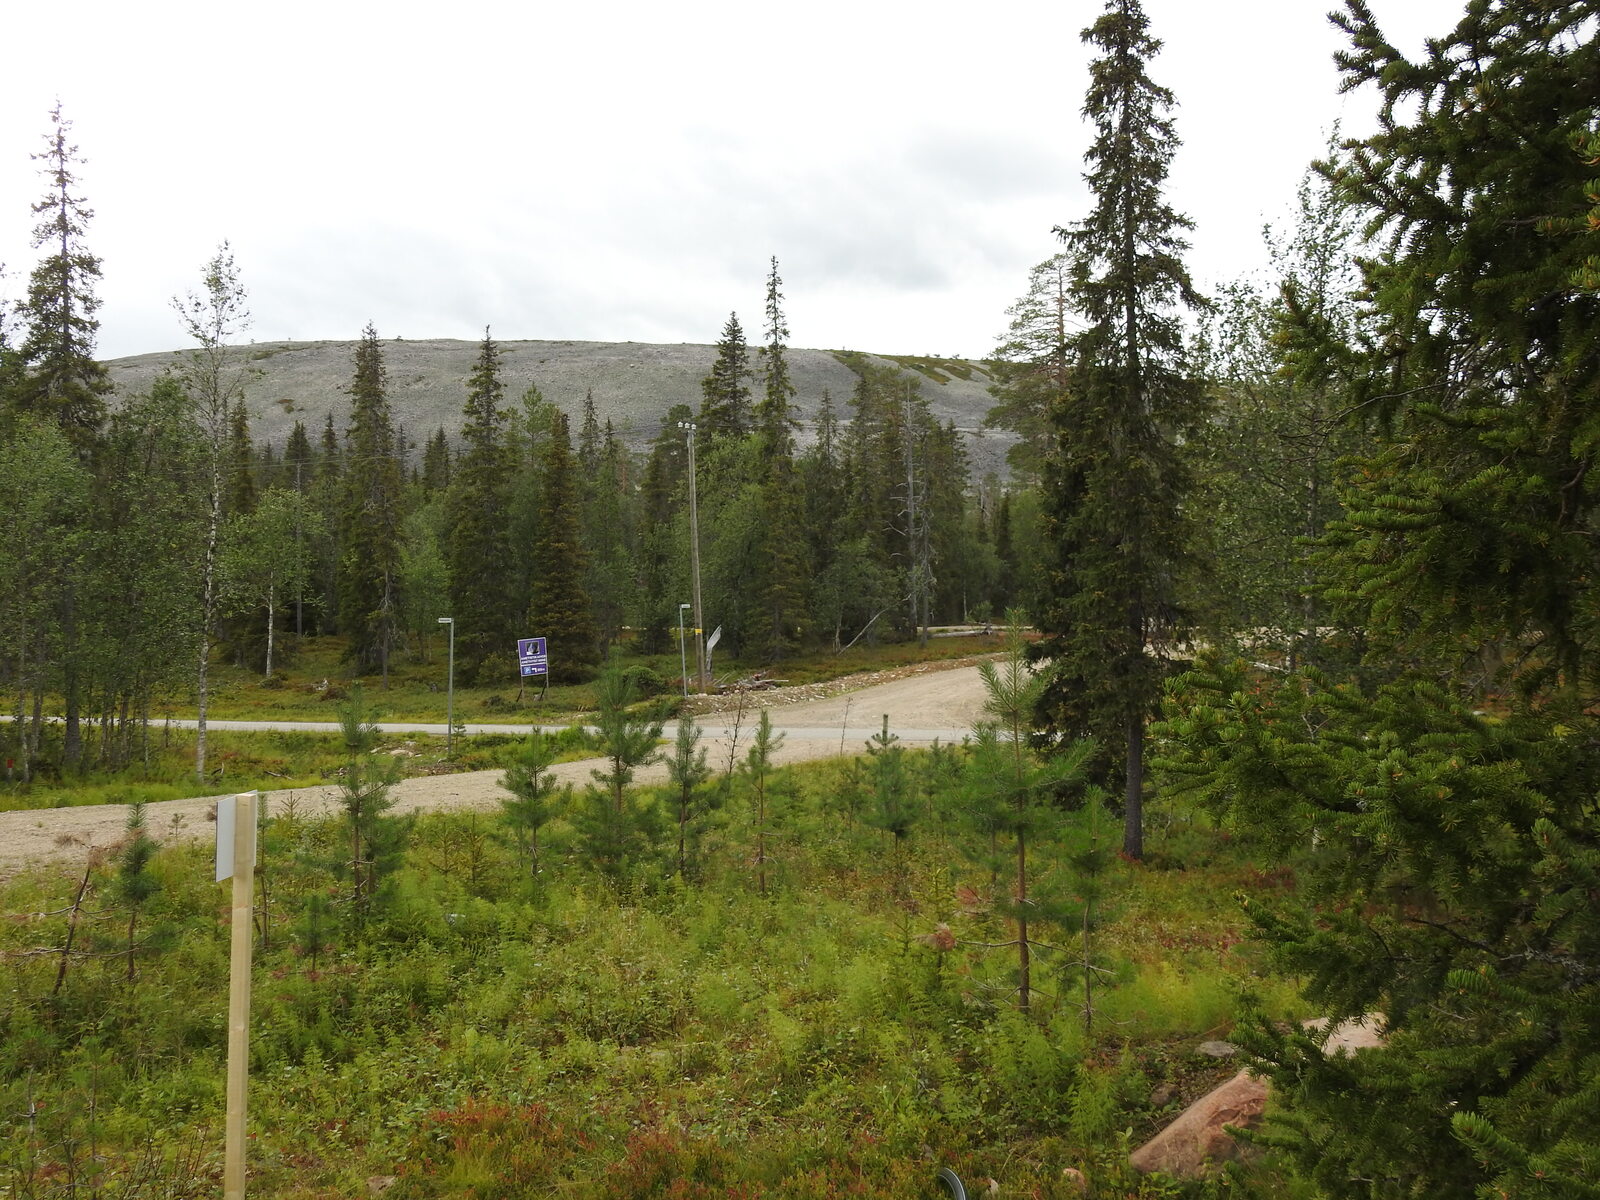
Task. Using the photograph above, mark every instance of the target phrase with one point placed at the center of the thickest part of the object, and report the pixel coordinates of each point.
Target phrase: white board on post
(227, 823)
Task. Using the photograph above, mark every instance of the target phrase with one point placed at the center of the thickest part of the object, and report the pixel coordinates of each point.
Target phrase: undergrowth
(487, 1032)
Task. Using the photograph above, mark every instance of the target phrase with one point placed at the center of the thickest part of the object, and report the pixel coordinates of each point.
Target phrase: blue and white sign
(531, 654)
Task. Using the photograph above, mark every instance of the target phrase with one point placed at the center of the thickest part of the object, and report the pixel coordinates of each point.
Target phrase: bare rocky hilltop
(633, 383)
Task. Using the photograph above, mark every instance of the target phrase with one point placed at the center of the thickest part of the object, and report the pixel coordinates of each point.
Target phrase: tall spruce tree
(299, 464)
(780, 574)
(327, 496)
(60, 379)
(368, 573)
(606, 528)
(483, 595)
(774, 418)
(1450, 785)
(1115, 482)
(558, 607)
(241, 461)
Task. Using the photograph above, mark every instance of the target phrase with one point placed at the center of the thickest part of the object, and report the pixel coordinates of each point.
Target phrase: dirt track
(924, 703)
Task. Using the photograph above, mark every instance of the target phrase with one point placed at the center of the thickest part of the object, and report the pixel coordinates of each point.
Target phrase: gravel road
(922, 703)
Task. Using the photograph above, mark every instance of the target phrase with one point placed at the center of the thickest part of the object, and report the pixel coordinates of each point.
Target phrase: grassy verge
(316, 679)
(270, 760)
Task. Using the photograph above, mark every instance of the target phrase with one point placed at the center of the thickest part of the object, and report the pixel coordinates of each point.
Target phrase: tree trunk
(271, 619)
(208, 609)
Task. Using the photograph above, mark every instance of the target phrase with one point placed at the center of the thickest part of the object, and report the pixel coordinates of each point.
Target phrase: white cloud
(625, 171)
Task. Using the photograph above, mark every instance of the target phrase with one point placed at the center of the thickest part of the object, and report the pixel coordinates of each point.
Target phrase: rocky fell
(634, 384)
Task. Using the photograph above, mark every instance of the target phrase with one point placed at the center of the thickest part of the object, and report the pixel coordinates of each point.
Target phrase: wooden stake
(244, 879)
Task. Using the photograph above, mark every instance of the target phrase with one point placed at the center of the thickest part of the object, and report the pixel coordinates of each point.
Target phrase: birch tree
(267, 556)
(214, 374)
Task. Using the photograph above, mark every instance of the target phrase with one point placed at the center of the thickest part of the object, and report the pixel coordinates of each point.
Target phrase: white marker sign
(227, 822)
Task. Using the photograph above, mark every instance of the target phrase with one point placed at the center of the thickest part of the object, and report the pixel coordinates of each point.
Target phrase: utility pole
(694, 560)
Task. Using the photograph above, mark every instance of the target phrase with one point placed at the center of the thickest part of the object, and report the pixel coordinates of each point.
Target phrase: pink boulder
(1197, 1138)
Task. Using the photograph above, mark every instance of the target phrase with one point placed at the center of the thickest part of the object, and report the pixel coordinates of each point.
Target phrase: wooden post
(244, 880)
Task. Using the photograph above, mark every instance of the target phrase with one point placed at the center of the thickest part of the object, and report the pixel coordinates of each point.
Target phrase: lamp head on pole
(447, 620)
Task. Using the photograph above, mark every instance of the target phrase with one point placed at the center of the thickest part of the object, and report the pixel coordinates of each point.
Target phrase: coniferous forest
(1293, 713)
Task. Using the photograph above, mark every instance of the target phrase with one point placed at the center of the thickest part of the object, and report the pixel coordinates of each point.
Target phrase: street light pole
(450, 692)
(694, 560)
(683, 658)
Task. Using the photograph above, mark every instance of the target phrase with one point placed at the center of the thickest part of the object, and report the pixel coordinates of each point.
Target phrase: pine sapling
(688, 772)
(532, 789)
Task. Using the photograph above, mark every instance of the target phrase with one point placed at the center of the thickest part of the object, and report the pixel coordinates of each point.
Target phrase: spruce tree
(61, 381)
(725, 402)
(241, 461)
(1450, 782)
(589, 441)
(558, 607)
(1115, 482)
(606, 526)
(369, 521)
(327, 490)
(299, 459)
(662, 495)
(773, 417)
(781, 569)
(436, 463)
(483, 596)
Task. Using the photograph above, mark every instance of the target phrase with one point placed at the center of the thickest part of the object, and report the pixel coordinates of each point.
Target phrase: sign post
(534, 660)
(236, 857)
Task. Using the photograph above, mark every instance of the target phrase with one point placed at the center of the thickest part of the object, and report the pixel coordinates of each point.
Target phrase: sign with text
(531, 654)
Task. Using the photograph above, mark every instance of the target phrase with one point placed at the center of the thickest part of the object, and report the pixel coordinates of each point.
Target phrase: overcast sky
(625, 171)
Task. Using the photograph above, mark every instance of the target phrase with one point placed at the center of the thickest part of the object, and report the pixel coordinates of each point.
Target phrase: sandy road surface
(930, 703)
